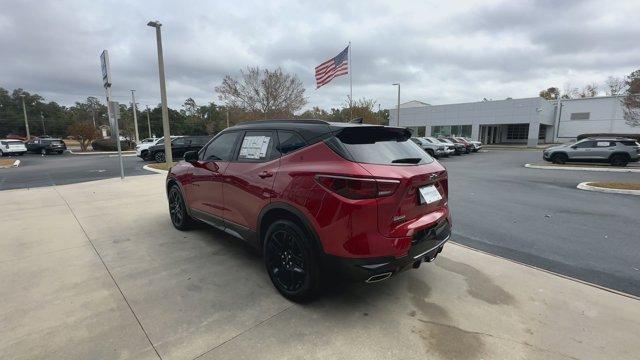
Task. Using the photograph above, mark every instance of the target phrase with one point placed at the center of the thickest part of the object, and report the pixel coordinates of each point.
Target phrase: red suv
(319, 199)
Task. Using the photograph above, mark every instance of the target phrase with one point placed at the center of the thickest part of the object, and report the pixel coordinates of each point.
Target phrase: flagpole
(350, 87)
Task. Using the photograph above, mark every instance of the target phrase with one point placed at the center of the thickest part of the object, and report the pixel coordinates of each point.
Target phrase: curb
(100, 152)
(149, 168)
(579, 168)
(586, 186)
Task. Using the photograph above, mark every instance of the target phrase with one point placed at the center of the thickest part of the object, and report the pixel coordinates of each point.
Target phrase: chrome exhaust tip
(379, 277)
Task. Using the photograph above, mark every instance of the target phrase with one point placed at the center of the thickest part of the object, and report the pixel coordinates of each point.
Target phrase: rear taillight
(358, 188)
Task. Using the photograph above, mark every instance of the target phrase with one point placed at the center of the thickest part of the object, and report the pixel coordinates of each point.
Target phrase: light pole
(398, 113)
(163, 94)
(148, 121)
(26, 122)
(44, 129)
(135, 116)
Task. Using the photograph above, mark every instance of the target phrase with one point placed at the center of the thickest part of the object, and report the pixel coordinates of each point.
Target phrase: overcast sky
(441, 51)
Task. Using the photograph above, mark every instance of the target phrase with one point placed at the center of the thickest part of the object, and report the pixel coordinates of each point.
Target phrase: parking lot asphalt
(96, 271)
(36, 170)
(538, 217)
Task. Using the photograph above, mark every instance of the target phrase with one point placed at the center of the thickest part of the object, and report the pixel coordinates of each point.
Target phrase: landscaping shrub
(110, 145)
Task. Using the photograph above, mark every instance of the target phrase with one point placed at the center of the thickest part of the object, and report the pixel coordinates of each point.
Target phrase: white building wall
(606, 115)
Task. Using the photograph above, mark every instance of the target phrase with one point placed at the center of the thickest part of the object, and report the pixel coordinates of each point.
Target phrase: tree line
(256, 95)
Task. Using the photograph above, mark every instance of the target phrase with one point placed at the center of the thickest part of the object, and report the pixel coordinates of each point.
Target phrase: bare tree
(589, 90)
(569, 92)
(631, 101)
(268, 92)
(615, 86)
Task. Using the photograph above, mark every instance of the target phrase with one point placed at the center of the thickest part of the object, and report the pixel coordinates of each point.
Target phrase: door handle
(265, 174)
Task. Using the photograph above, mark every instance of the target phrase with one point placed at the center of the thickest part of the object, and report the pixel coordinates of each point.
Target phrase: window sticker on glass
(602, 143)
(254, 147)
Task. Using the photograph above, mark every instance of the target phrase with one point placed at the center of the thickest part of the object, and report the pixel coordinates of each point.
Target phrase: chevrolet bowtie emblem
(433, 176)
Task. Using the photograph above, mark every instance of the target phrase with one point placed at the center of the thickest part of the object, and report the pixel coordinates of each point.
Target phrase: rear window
(378, 145)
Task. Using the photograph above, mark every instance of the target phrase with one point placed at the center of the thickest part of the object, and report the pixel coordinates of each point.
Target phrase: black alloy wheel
(159, 157)
(619, 160)
(559, 159)
(178, 211)
(290, 261)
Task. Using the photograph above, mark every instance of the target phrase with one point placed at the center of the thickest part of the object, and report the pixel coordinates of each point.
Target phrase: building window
(451, 130)
(517, 131)
(580, 116)
(418, 131)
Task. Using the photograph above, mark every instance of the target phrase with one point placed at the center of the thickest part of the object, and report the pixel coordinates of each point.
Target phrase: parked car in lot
(179, 146)
(320, 199)
(458, 148)
(12, 147)
(616, 151)
(466, 145)
(143, 147)
(475, 145)
(449, 148)
(46, 145)
(435, 150)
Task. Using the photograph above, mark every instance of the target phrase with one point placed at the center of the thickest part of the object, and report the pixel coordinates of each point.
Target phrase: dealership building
(528, 121)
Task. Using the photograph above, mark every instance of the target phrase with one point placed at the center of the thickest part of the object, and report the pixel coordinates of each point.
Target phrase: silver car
(616, 151)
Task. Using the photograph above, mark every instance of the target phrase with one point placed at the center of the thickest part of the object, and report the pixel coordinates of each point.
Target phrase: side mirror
(191, 156)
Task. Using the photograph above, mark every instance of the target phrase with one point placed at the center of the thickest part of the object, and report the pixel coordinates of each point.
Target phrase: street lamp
(398, 113)
(163, 94)
(26, 122)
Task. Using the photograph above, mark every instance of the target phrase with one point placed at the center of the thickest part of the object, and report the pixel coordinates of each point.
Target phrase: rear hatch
(388, 153)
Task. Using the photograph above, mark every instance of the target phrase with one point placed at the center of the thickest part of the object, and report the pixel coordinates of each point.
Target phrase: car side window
(289, 142)
(585, 144)
(180, 141)
(221, 148)
(257, 146)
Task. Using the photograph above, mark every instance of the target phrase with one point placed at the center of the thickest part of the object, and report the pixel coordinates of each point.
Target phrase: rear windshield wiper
(406, 161)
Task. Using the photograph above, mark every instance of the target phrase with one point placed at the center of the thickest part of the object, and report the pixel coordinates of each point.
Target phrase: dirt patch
(6, 163)
(616, 185)
(162, 166)
(479, 285)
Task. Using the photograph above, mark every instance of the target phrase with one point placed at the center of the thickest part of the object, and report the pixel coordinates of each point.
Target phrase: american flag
(333, 67)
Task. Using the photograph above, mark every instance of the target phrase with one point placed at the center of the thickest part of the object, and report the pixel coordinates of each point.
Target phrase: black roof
(308, 129)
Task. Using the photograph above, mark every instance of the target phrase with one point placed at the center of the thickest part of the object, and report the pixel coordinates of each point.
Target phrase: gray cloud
(441, 53)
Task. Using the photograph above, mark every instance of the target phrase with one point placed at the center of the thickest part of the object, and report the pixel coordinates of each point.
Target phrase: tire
(178, 211)
(619, 160)
(291, 261)
(430, 152)
(159, 157)
(559, 158)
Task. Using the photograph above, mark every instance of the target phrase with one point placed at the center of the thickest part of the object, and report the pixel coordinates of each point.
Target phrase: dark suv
(318, 199)
(46, 146)
(179, 146)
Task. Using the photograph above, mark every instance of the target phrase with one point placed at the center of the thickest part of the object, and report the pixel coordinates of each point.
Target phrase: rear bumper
(426, 245)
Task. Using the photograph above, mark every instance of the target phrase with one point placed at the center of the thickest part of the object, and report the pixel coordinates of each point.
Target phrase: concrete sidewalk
(95, 270)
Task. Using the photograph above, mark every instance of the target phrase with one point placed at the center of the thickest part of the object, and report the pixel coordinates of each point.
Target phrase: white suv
(9, 147)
